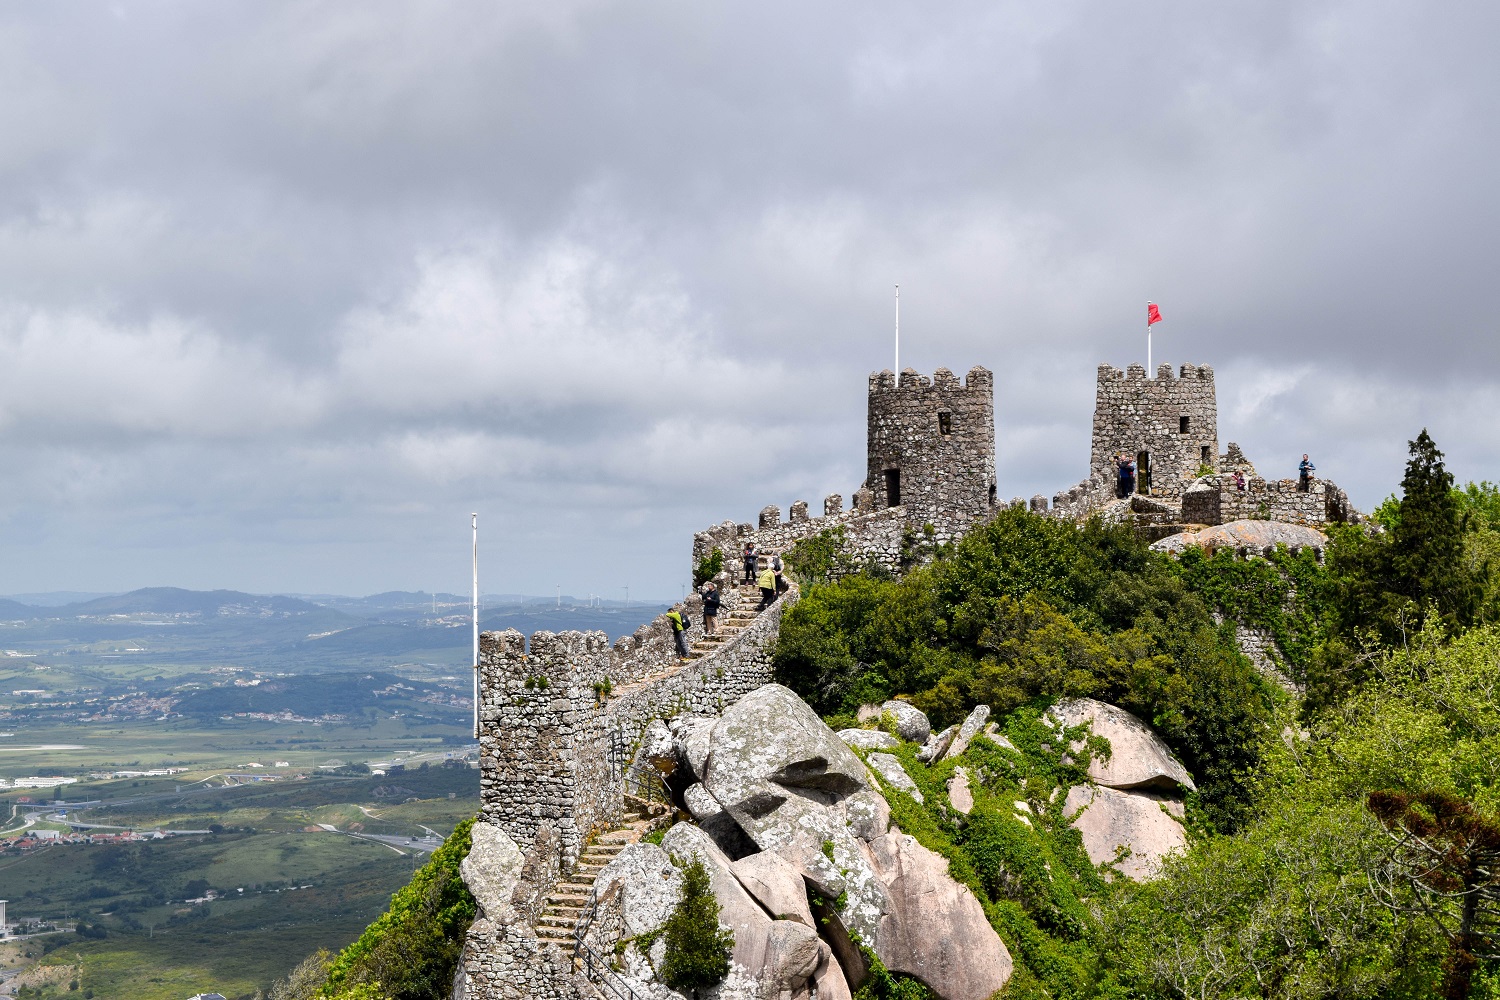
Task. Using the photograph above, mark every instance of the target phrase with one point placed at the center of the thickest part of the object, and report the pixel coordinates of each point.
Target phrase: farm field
(282, 885)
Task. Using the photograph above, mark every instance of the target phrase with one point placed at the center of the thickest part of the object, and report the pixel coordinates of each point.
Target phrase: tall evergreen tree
(1427, 540)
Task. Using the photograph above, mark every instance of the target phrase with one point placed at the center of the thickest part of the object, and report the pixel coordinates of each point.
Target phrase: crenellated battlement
(1164, 374)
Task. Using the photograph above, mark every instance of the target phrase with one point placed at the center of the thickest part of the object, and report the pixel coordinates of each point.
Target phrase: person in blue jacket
(1305, 469)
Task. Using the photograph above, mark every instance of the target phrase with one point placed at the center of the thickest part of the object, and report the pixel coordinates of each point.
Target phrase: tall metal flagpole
(474, 615)
(898, 336)
(1148, 340)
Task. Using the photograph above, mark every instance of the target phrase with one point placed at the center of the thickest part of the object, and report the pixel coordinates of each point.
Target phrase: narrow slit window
(1205, 454)
(945, 423)
(1182, 425)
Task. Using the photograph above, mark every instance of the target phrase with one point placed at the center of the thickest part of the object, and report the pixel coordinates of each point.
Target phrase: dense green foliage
(1026, 607)
(411, 951)
(1341, 845)
(708, 567)
(697, 952)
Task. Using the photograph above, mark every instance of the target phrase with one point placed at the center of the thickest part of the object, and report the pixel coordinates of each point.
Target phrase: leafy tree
(697, 952)
(1026, 607)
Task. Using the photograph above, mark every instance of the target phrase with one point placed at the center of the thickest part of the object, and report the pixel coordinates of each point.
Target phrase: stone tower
(1169, 425)
(932, 445)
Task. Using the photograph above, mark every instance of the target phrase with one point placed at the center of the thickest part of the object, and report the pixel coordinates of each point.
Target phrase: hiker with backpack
(767, 583)
(679, 632)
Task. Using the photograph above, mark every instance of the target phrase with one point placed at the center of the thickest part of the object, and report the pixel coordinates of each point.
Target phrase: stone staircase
(729, 624)
(570, 897)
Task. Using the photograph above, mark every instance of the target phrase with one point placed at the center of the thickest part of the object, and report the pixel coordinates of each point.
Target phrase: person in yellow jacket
(679, 632)
(767, 584)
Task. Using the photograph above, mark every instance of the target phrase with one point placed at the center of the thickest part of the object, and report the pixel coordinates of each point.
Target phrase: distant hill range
(170, 624)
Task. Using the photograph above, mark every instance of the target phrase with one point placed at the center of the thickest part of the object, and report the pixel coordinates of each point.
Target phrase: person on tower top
(1305, 470)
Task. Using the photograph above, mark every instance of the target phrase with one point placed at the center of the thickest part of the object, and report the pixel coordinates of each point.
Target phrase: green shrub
(708, 567)
(697, 948)
(411, 951)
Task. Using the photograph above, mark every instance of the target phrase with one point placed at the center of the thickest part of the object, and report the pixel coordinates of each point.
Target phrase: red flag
(1153, 314)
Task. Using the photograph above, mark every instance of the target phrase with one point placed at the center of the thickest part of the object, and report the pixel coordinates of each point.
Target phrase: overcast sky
(288, 289)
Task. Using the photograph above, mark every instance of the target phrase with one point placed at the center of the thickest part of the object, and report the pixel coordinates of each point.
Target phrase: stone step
(574, 888)
(567, 900)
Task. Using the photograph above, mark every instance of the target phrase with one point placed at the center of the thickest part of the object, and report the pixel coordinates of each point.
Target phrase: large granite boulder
(770, 745)
(935, 929)
(658, 747)
(1109, 819)
(911, 722)
(888, 766)
(972, 727)
(869, 739)
(1252, 536)
(650, 886)
(690, 737)
(1138, 757)
(937, 744)
(738, 910)
(492, 870)
(776, 884)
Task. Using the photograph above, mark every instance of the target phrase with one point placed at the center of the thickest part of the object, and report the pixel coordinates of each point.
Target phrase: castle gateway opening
(893, 487)
(1143, 472)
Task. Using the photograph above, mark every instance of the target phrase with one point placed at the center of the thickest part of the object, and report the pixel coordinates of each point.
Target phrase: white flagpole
(1148, 340)
(474, 615)
(898, 336)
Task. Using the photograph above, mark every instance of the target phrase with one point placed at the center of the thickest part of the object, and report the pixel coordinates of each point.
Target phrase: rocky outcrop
(869, 739)
(818, 832)
(492, 870)
(1140, 823)
(971, 728)
(935, 929)
(910, 722)
(960, 797)
(889, 767)
(1138, 757)
(1249, 536)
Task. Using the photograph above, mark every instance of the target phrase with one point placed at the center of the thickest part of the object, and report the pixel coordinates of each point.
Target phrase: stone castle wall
(548, 729)
(1134, 414)
(1217, 500)
(550, 773)
(938, 433)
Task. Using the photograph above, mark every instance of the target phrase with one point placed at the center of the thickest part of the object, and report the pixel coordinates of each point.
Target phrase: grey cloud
(290, 288)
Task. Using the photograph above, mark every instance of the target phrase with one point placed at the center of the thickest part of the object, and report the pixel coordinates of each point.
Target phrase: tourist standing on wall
(711, 601)
(750, 562)
(781, 585)
(1125, 486)
(767, 584)
(679, 632)
(1305, 469)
